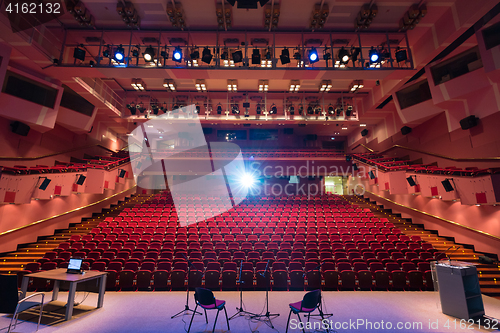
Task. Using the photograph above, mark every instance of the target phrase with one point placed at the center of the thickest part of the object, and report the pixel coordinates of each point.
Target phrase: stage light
(310, 110)
(285, 56)
(105, 53)
(206, 56)
(237, 56)
(331, 110)
(343, 55)
(247, 180)
(136, 51)
(326, 54)
(149, 54)
(119, 53)
(155, 109)
(258, 109)
(177, 54)
(297, 55)
(374, 55)
(195, 54)
(401, 55)
(235, 109)
(355, 53)
(224, 54)
(197, 109)
(313, 55)
(219, 108)
(273, 109)
(255, 57)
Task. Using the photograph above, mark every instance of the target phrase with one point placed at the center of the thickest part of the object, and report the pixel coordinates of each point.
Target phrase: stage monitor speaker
(20, 128)
(411, 181)
(122, 173)
(311, 137)
(468, 122)
(288, 130)
(364, 132)
(44, 184)
(405, 130)
(372, 175)
(207, 130)
(81, 180)
(447, 185)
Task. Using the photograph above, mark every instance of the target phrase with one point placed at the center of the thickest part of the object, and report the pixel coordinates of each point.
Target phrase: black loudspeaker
(312, 137)
(20, 128)
(288, 130)
(246, 104)
(468, 122)
(207, 130)
(411, 181)
(372, 175)
(44, 184)
(122, 173)
(81, 180)
(447, 185)
(405, 130)
(364, 132)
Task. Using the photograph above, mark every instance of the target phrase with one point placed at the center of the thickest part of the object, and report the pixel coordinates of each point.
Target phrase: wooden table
(58, 275)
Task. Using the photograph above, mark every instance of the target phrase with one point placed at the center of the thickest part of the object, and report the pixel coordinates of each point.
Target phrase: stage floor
(151, 312)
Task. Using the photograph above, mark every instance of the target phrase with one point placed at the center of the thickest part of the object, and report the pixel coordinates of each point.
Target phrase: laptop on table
(75, 266)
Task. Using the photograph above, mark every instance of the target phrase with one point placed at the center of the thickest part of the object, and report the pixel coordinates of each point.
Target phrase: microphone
(265, 270)
(449, 258)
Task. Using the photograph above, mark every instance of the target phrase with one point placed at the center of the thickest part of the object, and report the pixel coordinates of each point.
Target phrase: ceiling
(202, 29)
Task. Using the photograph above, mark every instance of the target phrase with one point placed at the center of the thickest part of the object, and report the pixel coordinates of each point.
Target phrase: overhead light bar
(356, 85)
(138, 84)
(263, 85)
(232, 85)
(294, 85)
(169, 84)
(200, 85)
(325, 86)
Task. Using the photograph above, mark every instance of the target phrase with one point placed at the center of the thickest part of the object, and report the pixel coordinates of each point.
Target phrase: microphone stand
(186, 307)
(240, 309)
(320, 307)
(266, 317)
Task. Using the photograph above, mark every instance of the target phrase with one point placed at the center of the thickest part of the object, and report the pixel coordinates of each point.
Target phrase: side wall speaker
(405, 130)
(19, 128)
(468, 122)
(364, 132)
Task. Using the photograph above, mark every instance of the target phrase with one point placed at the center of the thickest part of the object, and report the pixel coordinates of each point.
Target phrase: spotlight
(149, 54)
(374, 55)
(235, 109)
(132, 109)
(331, 110)
(313, 55)
(310, 110)
(206, 56)
(255, 57)
(119, 53)
(79, 54)
(268, 54)
(297, 55)
(285, 56)
(238, 56)
(343, 55)
(177, 54)
(355, 53)
(91, 63)
(105, 53)
(301, 109)
(401, 55)
(292, 110)
(195, 54)
(273, 109)
(224, 54)
(247, 180)
(136, 51)
(155, 109)
(219, 108)
(197, 109)
(326, 55)
(258, 109)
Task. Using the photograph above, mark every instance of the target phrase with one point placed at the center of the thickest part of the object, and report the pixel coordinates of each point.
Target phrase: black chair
(205, 299)
(310, 302)
(10, 302)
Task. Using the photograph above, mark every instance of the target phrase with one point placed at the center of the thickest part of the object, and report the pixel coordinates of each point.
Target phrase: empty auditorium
(249, 166)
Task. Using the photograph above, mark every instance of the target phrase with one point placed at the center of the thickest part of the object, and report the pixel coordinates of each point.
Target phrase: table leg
(71, 300)
(55, 291)
(24, 286)
(102, 289)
